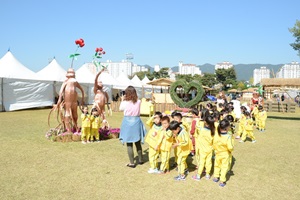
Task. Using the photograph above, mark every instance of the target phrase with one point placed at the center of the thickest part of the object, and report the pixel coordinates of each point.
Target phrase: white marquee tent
(52, 72)
(87, 79)
(20, 87)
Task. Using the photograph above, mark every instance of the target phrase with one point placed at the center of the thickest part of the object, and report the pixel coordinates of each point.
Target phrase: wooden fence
(280, 106)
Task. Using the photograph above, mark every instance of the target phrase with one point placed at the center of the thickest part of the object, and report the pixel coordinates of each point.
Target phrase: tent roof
(162, 82)
(108, 79)
(145, 80)
(137, 81)
(280, 81)
(52, 72)
(84, 75)
(10, 67)
(124, 82)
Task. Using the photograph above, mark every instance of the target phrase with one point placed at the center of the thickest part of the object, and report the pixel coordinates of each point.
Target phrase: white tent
(137, 81)
(124, 82)
(52, 72)
(108, 79)
(87, 79)
(20, 88)
(145, 80)
(10, 67)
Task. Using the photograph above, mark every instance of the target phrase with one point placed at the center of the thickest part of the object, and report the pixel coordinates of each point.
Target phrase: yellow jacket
(242, 120)
(199, 125)
(186, 126)
(249, 124)
(204, 139)
(232, 113)
(165, 140)
(85, 121)
(184, 147)
(96, 122)
(262, 115)
(254, 112)
(153, 134)
(223, 144)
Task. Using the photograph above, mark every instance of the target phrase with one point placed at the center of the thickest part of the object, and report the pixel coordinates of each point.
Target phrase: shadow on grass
(284, 118)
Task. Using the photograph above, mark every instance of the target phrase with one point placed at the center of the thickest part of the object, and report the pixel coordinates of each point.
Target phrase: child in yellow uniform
(248, 131)
(178, 117)
(151, 138)
(183, 148)
(195, 115)
(96, 122)
(164, 144)
(205, 142)
(241, 126)
(223, 146)
(85, 125)
(200, 124)
(254, 114)
(262, 117)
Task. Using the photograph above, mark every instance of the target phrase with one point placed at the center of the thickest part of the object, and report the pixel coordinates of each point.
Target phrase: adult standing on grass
(132, 128)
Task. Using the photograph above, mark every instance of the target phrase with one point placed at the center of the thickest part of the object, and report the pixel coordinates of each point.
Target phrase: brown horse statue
(101, 97)
(67, 102)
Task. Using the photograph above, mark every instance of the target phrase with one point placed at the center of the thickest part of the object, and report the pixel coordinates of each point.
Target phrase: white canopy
(124, 82)
(108, 79)
(84, 75)
(52, 72)
(10, 67)
(137, 81)
(145, 80)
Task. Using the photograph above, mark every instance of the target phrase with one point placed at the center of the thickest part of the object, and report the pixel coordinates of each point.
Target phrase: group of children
(90, 124)
(210, 135)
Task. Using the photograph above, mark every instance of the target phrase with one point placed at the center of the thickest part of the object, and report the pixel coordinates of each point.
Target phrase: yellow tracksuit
(248, 129)
(151, 138)
(186, 126)
(199, 125)
(241, 125)
(85, 127)
(254, 114)
(223, 146)
(232, 113)
(165, 142)
(183, 150)
(262, 117)
(96, 124)
(205, 142)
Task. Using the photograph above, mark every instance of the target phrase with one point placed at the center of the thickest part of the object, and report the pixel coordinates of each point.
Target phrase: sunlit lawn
(32, 167)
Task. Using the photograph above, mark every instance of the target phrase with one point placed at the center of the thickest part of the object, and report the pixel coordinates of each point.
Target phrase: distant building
(117, 68)
(223, 65)
(156, 68)
(291, 70)
(137, 68)
(259, 74)
(188, 69)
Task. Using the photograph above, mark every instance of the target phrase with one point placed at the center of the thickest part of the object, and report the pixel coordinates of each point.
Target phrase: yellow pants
(261, 124)
(249, 134)
(205, 160)
(165, 157)
(181, 161)
(241, 129)
(85, 133)
(153, 156)
(222, 162)
(94, 133)
(197, 155)
(175, 155)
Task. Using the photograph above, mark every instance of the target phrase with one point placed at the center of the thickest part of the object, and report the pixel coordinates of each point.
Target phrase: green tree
(226, 77)
(296, 33)
(187, 77)
(251, 80)
(241, 85)
(208, 79)
(162, 73)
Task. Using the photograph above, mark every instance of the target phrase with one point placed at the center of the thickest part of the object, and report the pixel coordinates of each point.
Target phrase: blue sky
(156, 32)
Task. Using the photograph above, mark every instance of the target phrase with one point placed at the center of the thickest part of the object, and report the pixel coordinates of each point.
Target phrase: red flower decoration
(80, 42)
(103, 52)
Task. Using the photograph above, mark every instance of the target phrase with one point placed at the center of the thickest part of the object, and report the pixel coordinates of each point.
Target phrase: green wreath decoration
(187, 87)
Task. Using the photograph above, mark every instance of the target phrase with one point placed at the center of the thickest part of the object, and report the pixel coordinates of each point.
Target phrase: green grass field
(33, 167)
